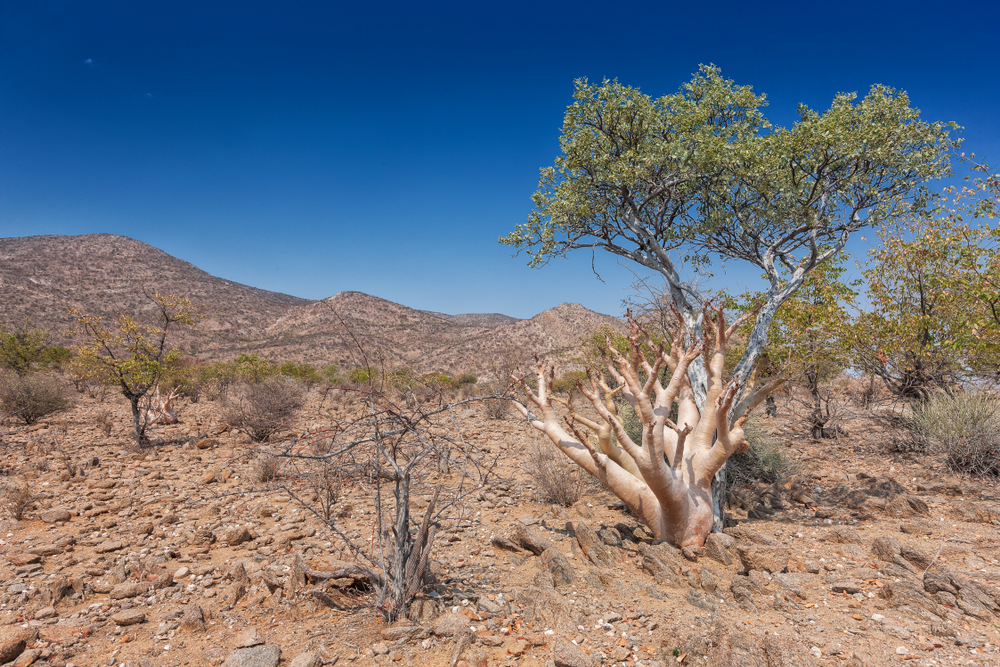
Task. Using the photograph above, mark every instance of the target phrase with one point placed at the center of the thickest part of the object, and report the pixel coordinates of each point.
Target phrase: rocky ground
(174, 555)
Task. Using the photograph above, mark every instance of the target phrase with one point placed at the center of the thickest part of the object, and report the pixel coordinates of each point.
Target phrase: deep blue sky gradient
(312, 148)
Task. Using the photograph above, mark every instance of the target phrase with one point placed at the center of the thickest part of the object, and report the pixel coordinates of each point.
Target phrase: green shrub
(21, 350)
(32, 397)
(763, 462)
(254, 369)
(360, 376)
(567, 382)
(305, 373)
(465, 379)
(331, 374)
(55, 357)
(964, 426)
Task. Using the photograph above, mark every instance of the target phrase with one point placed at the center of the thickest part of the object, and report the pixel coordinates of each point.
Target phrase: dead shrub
(264, 469)
(496, 408)
(18, 498)
(264, 408)
(32, 397)
(104, 422)
(964, 426)
(558, 481)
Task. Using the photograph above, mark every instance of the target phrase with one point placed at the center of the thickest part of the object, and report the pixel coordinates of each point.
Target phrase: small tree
(702, 174)
(23, 348)
(934, 285)
(809, 343)
(129, 354)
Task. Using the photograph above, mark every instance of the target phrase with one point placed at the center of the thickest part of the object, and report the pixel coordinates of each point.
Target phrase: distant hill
(42, 277)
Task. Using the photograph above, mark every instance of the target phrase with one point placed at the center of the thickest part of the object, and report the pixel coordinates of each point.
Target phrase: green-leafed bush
(254, 369)
(567, 382)
(964, 426)
(360, 376)
(764, 461)
(304, 373)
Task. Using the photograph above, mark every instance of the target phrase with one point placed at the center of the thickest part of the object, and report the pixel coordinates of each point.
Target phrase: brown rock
(885, 548)
(530, 540)
(449, 625)
(905, 506)
(57, 515)
(592, 546)
(13, 641)
(768, 559)
(843, 535)
(129, 617)
(19, 558)
(206, 443)
(207, 478)
(108, 546)
(662, 562)
(306, 660)
(750, 535)
(129, 589)
(557, 563)
(236, 536)
(565, 654)
(193, 619)
(716, 547)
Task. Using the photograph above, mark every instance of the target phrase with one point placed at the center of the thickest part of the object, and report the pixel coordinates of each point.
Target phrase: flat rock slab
(13, 641)
(108, 547)
(129, 617)
(255, 656)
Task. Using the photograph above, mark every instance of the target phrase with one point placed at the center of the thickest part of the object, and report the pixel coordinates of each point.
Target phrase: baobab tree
(701, 175)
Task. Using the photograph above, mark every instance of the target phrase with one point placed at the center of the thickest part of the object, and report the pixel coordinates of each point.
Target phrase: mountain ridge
(42, 277)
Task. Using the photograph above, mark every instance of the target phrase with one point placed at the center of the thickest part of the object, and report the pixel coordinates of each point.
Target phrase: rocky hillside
(42, 277)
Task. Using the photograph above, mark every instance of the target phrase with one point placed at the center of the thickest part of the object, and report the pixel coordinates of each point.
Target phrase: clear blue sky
(316, 147)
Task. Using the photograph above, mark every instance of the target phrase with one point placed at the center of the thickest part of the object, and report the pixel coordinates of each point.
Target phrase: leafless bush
(264, 408)
(392, 450)
(265, 469)
(496, 408)
(104, 422)
(964, 426)
(557, 480)
(18, 498)
(32, 397)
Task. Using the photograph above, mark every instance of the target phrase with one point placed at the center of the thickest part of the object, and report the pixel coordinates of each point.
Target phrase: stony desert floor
(177, 554)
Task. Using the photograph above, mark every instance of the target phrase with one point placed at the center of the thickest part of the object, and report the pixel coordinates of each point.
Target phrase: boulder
(13, 640)
(716, 547)
(767, 559)
(592, 546)
(58, 515)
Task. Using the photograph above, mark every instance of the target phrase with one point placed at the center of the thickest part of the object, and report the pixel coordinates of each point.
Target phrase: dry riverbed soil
(177, 555)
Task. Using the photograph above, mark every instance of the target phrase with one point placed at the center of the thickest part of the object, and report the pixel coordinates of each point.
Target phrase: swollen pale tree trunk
(666, 479)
